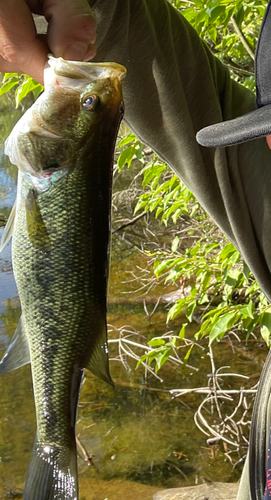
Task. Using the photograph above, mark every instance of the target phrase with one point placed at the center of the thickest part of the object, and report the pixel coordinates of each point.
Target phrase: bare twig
(242, 38)
(207, 390)
(130, 222)
(146, 348)
(85, 454)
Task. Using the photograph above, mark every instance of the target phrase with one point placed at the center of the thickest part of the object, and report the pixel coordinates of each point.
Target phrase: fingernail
(92, 38)
(90, 52)
(74, 52)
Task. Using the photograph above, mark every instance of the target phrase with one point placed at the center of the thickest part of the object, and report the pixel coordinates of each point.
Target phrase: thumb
(72, 29)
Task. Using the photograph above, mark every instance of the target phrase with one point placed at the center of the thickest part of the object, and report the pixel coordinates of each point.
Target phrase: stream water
(139, 438)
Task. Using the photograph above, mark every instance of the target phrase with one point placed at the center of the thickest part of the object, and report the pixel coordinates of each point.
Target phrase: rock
(214, 491)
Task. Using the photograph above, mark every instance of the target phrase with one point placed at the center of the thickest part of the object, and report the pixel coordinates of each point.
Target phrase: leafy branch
(22, 84)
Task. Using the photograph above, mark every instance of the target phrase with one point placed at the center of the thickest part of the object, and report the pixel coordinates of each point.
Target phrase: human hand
(71, 34)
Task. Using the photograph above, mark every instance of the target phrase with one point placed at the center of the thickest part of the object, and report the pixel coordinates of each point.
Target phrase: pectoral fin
(98, 363)
(8, 228)
(36, 228)
(17, 353)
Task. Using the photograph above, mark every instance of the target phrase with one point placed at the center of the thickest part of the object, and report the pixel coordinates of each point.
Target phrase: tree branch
(242, 38)
(129, 223)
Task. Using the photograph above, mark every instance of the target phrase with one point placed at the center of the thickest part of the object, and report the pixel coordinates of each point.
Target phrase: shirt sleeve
(174, 87)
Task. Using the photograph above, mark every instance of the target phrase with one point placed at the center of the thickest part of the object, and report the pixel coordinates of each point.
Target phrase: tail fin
(52, 474)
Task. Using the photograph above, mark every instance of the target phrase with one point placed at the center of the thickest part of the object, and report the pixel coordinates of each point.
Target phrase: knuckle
(85, 25)
(9, 53)
(13, 55)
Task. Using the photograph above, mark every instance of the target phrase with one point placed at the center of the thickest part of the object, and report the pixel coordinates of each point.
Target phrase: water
(139, 438)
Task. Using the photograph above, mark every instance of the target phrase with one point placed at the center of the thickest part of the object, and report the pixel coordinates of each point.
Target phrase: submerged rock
(214, 491)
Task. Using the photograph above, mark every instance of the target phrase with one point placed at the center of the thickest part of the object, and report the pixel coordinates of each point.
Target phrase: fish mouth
(42, 182)
(44, 176)
(78, 70)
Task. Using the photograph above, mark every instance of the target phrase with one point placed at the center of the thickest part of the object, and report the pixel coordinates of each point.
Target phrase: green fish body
(60, 259)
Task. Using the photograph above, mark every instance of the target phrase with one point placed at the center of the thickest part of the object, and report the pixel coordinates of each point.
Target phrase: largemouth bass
(64, 150)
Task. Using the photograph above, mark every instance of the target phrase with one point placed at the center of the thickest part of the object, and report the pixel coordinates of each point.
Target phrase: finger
(7, 67)
(268, 140)
(19, 45)
(90, 53)
(72, 29)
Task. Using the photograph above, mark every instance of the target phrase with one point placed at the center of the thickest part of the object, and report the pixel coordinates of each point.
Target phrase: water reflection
(8, 289)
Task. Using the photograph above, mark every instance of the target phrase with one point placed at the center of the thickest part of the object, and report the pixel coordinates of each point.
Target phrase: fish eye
(90, 102)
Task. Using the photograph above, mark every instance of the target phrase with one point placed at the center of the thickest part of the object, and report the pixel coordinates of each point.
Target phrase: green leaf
(190, 310)
(231, 281)
(176, 215)
(7, 76)
(156, 341)
(249, 310)
(205, 280)
(138, 151)
(201, 17)
(216, 13)
(140, 204)
(127, 140)
(162, 266)
(36, 91)
(29, 85)
(240, 16)
(161, 359)
(175, 244)
(266, 320)
(8, 86)
(126, 157)
(187, 356)
(204, 299)
(265, 333)
(173, 275)
(142, 359)
(226, 251)
(182, 331)
(220, 326)
(176, 309)
(246, 270)
(213, 34)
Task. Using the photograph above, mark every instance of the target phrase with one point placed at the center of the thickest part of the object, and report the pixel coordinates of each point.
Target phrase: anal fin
(98, 362)
(17, 353)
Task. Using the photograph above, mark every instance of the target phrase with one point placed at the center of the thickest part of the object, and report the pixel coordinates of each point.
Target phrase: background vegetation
(210, 281)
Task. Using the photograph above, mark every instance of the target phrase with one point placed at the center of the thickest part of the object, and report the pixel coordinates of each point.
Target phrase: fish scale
(60, 277)
(60, 252)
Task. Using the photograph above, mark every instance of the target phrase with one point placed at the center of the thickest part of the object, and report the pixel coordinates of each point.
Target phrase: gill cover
(60, 79)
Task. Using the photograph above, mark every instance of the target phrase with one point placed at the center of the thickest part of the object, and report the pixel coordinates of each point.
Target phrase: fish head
(82, 103)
